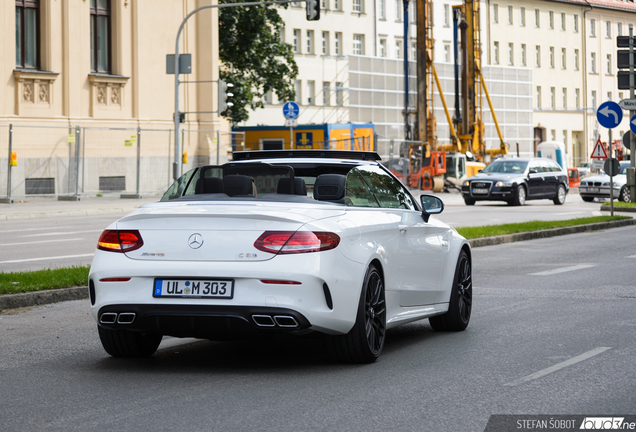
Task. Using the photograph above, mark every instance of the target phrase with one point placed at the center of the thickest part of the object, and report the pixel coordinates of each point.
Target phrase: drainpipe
(584, 61)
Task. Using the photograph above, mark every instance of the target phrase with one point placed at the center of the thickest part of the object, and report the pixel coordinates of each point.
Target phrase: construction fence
(71, 161)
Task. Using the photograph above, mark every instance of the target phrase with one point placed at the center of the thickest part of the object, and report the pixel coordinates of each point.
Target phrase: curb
(12, 301)
(606, 207)
(510, 238)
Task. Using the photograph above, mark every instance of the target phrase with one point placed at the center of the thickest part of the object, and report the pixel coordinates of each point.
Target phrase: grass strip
(20, 282)
(621, 204)
(513, 228)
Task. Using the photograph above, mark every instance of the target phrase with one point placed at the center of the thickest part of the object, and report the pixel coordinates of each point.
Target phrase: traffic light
(224, 93)
(313, 10)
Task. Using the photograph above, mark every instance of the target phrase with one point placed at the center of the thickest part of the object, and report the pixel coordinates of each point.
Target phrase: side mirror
(430, 205)
(479, 170)
(532, 171)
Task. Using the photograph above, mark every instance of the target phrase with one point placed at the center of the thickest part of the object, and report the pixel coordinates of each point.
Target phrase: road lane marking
(62, 233)
(40, 241)
(46, 258)
(632, 256)
(34, 229)
(559, 366)
(562, 270)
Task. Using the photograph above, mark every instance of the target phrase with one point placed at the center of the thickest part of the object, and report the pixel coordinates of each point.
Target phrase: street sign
(632, 124)
(609, 114)
(599, 151)
(616, 167)
(291, 110)
(627, 139)
(291, 122)
(628, 104)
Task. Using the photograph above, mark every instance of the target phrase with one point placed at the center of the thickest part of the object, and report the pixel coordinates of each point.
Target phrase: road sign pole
(611, 174)
(632, 159)
(291, 137)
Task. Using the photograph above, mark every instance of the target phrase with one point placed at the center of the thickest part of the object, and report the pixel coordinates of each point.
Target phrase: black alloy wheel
(559, 198)
(625, 194)
(520, 199)
(461, 299)
(365, 341)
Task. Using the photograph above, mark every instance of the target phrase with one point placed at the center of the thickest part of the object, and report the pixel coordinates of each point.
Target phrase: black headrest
(284, 186)
(330, 187)
(235, 184)
(207, 185)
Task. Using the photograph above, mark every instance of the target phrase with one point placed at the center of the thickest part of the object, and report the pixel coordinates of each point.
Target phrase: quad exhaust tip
(284, 321)
(112, 318)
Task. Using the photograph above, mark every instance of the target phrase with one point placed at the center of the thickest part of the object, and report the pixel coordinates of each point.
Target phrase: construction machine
(467, 152)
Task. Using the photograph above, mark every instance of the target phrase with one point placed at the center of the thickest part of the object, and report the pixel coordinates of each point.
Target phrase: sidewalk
(46, 207)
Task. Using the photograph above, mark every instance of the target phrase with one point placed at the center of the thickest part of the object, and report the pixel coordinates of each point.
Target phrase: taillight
(290, 242)
(120, 241)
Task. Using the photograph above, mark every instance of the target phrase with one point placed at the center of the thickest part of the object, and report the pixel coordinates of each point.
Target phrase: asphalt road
(552, 333)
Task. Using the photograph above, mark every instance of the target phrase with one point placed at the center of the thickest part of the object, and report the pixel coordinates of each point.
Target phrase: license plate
(593, 189)
(194, 288)
(480, 191)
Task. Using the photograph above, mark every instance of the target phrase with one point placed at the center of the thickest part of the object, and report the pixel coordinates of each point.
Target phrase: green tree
(254, 58)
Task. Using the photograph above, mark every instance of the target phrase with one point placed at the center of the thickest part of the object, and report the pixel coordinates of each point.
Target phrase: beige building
(100, 65)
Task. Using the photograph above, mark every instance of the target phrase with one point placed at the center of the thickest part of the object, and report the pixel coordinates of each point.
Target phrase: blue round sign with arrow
(291, 110)
(632, 124)
(609, 114)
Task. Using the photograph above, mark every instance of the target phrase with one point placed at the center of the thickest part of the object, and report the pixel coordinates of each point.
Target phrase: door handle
(403, 228)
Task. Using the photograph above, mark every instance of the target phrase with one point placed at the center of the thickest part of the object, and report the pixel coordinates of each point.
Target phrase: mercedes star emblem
(195, 241)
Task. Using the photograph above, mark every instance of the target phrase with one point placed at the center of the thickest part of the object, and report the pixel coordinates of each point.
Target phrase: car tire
(365, 341)
(520, 199)
(587, 199)
(461, 299)
(559, 198)
(126, 343)
(624, 195)
(469, 201)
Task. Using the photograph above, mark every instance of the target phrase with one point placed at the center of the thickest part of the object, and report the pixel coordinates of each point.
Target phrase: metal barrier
(67, 162)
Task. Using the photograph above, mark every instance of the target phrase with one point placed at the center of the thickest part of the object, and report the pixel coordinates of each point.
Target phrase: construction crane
(437, 161)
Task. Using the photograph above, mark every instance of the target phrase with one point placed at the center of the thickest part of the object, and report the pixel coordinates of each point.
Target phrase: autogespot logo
(195, 241)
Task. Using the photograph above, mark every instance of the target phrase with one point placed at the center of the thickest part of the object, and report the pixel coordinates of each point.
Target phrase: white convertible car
(280, 241)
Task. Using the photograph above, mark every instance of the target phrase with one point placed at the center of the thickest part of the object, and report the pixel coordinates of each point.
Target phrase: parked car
(598, 186)
(295, 242)
(584, 168)
(516, 180)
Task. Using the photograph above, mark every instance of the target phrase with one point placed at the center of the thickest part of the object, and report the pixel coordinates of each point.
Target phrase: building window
(338, 44)
(619, 29)
(608, 64)
(296, 41)
(311, 91)
(398, 49)
(608, 29)
(562, 21)
(399, 12)
(297, 89)
(576, 59)
(339, 91)
(552, 57)
(447, 54)
(267, 98)
(565, 137)
(414, 51)
(447, 15)
(100, 36)
(358, 44)
(495, 13)
(523, 54)
(551, 20)
(593, 63)
(324, 4)
(509, 14)
(565, 98)
(337, 4)
(593, 99)
(325, 43)
(325, 93)
(553, 134)
(592, 27)
(609, 95)
(310, 41)
(382, 9)
(576, 23)
(620, 96)
(522, 16)
(27, 34)
(538, 56)
(538, 97)
(382, 47)
(537, 18)
(552, 97)
(511, 54)
(496, 53)
(357, 6)
(563, 59)
(577, 98)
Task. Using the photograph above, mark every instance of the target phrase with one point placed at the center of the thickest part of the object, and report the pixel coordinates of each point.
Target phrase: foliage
(513, 228)
(255, 59)
(621, 204)
(19, 282)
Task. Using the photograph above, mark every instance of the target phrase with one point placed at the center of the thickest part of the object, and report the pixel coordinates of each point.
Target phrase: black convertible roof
(327, 154)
